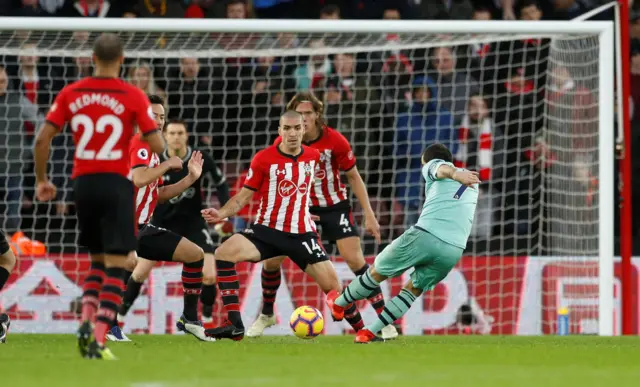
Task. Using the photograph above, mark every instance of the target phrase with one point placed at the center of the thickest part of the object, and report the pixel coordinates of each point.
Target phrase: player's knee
(225, 253)
(209, 279)
(8, 260)
(139, 276)
(375, 275)
(197, 254)
(273, 264)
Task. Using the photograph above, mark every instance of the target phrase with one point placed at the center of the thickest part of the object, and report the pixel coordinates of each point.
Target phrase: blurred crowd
(522, 112)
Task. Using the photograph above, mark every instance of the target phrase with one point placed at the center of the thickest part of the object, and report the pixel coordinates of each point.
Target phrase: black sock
(270, 283)
(352, 315)
(127, 275)
(208, 299)
(229, 289)
(376, 298)
(130, 294)
(191, 285)
(110, 300)
(4, 276)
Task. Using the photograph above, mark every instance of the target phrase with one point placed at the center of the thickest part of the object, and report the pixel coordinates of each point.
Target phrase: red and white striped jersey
(282, 182)
(335, 156)
(146, 197)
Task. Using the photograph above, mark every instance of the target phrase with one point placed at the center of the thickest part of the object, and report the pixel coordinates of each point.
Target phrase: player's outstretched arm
(45, 190)
(360, 190)
(235, 204)
(143, 176)
(195, 171)
(467, 178)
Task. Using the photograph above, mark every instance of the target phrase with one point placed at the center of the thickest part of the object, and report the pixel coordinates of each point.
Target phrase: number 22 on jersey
(89, 130)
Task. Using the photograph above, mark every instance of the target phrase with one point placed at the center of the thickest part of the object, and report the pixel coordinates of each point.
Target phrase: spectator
(15, 111)
(189, 98)
(237, 9)
(391, 13)
(330, 12)
(530, 10)
(312, 74)
(37, 81)
(425, 123)
(94, 8)
(159, 9)
(481, 13)
(80, 67)
(568, 9)
(454, 86)
(141, 76)
(480, 149)
(351, 102)
(27, 8)
(445, 10)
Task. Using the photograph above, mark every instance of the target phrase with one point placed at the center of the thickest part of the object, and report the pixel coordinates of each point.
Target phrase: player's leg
(138, 273)
(159, 244)
(391, 262)
(209, 289)
(248, 246)
(271, 278)
(7, 263)
(117, 236)
(312, 258)
(434, 260)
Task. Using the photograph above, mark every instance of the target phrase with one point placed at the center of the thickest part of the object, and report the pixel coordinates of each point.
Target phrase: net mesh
(522, 110)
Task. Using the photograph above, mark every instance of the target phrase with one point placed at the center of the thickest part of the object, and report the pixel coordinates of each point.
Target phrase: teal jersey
(448, 208)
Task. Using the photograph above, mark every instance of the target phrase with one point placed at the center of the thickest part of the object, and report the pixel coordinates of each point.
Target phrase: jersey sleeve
(58, 113)
(255, 175)
(143, 114)
(343, 153)
(430, 169)
(139, 155)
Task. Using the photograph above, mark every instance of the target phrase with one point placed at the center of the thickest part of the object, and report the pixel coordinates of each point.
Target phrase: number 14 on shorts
(314, 247)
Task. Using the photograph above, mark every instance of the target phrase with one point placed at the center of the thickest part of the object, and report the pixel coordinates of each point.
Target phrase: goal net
(528, 106)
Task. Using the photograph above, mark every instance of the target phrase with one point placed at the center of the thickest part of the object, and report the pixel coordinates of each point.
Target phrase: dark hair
(528, 3)
(155, 99)
(437, 152)
(317, 105)
(330, 10)
(176, 121)
(108, 48)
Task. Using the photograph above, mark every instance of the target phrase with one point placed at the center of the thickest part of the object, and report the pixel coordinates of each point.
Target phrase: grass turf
(177, 361)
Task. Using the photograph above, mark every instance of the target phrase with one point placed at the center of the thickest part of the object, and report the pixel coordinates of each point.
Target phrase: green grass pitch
(180, 361)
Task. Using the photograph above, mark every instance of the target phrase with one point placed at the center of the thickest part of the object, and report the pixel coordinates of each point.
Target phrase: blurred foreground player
(103, 112)
(432, 247)
(282, 176)
(330, 202)
(157, 243)
(7, 263)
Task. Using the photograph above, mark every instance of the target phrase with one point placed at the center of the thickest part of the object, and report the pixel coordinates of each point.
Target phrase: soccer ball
(306, 322)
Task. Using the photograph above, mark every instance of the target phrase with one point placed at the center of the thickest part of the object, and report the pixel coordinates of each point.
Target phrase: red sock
(91, 290)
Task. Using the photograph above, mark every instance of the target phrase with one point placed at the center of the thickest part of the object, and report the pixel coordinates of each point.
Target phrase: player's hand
(372, 226)
(467, 178)
(211, 215)
(45, 191)
(315, 218)
(174, 163)
(195, 165)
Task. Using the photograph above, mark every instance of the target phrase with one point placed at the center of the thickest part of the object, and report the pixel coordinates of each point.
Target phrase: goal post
(568, 220)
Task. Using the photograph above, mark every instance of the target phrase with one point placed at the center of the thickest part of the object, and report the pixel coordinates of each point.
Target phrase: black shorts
(105, 210)
(4, 244)
(197, 232)
(157, 243)
(336, 222)
(303, 249)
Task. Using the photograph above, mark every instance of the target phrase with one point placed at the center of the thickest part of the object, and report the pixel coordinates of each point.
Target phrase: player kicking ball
(329, 201)
(282, 175)
(7, 263)
(432, 247)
